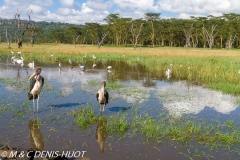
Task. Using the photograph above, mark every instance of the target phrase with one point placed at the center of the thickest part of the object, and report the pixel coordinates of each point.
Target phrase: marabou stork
(36, 84)
(102, 96)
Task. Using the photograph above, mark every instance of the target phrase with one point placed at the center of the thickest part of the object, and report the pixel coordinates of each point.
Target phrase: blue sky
(82, 11)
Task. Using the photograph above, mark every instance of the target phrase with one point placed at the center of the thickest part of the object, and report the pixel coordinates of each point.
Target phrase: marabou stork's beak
(34, 74)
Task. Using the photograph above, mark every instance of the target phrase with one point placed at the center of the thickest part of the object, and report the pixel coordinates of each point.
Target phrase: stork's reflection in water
(101, 132)
(36, 137)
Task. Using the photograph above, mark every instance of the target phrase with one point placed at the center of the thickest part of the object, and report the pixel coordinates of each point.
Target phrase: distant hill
(44, 27)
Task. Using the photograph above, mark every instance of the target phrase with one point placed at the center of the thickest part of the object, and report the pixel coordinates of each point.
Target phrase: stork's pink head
(38, 71)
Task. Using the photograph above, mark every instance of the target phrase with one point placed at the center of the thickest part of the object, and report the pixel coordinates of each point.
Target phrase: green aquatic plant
(118, 124)
(85, 117)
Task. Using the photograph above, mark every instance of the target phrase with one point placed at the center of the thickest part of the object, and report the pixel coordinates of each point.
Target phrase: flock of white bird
(20, 60)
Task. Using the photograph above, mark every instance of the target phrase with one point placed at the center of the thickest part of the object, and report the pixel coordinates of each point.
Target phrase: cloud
(143, 5)
(67, 3)
(98, 5)
(198, 7)
(35, 8)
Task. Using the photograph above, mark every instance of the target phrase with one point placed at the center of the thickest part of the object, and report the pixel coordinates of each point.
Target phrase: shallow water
(67, 89)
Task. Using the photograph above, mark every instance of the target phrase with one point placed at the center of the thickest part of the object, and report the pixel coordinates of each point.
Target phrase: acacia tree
(8, 39)
(210, 35)
(74, 32)
(188, 35)
(136, 32)
(30, 28)
(103, 36)
(20, 29)
(113, 21)
(152, 17)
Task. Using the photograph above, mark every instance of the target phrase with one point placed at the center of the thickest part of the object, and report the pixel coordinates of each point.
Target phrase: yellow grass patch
(93, 49)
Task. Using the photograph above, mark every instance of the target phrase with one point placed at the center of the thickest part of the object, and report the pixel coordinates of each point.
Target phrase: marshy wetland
(192, 113)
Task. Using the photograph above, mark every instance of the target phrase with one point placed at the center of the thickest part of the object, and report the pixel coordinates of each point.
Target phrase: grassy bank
(215, 69)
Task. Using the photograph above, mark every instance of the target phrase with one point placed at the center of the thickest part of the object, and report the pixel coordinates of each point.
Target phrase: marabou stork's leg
(103, 107)
(37, 101)
(33, 104)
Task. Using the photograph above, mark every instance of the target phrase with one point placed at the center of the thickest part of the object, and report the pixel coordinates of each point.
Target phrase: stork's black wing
(42, 81)
(97, 95)
(106, 96)
(32, 83)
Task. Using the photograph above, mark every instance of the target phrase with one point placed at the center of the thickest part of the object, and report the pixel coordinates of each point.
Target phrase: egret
(82, 67)
(12, 52)
(60, 65)
(94, 57)
(70, 62)
(168, 73)
(19, 53)
(36, 84)
(18, 61)
(109, 67)
(94, 65)
(102, 96)
(31, 65)
(138, 59)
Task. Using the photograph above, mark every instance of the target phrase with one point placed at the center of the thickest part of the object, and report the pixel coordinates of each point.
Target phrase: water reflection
(180, 98)
(36, 137)
(140, 87)
(101, 132)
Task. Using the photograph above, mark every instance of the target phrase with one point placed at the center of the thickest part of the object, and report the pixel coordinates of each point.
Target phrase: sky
(94, 11)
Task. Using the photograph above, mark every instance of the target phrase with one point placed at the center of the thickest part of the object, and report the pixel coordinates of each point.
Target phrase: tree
(19, 27)
(152, 17)
(210, 35)
(57, 35)
(93, 29)
(74, 32)
(136, 32)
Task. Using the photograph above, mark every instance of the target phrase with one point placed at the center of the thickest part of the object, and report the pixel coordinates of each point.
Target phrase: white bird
(94, 57)
(36, 84)
(168, 73)
(19, 53)
(70, 62)
(82, 67)
(138, 59)
(59, 65)
(31, 65)
(18, 61)
(109, 67)
(12, 58)
(102, 96)
(94, 65)
(12, 52)
(85, 56)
